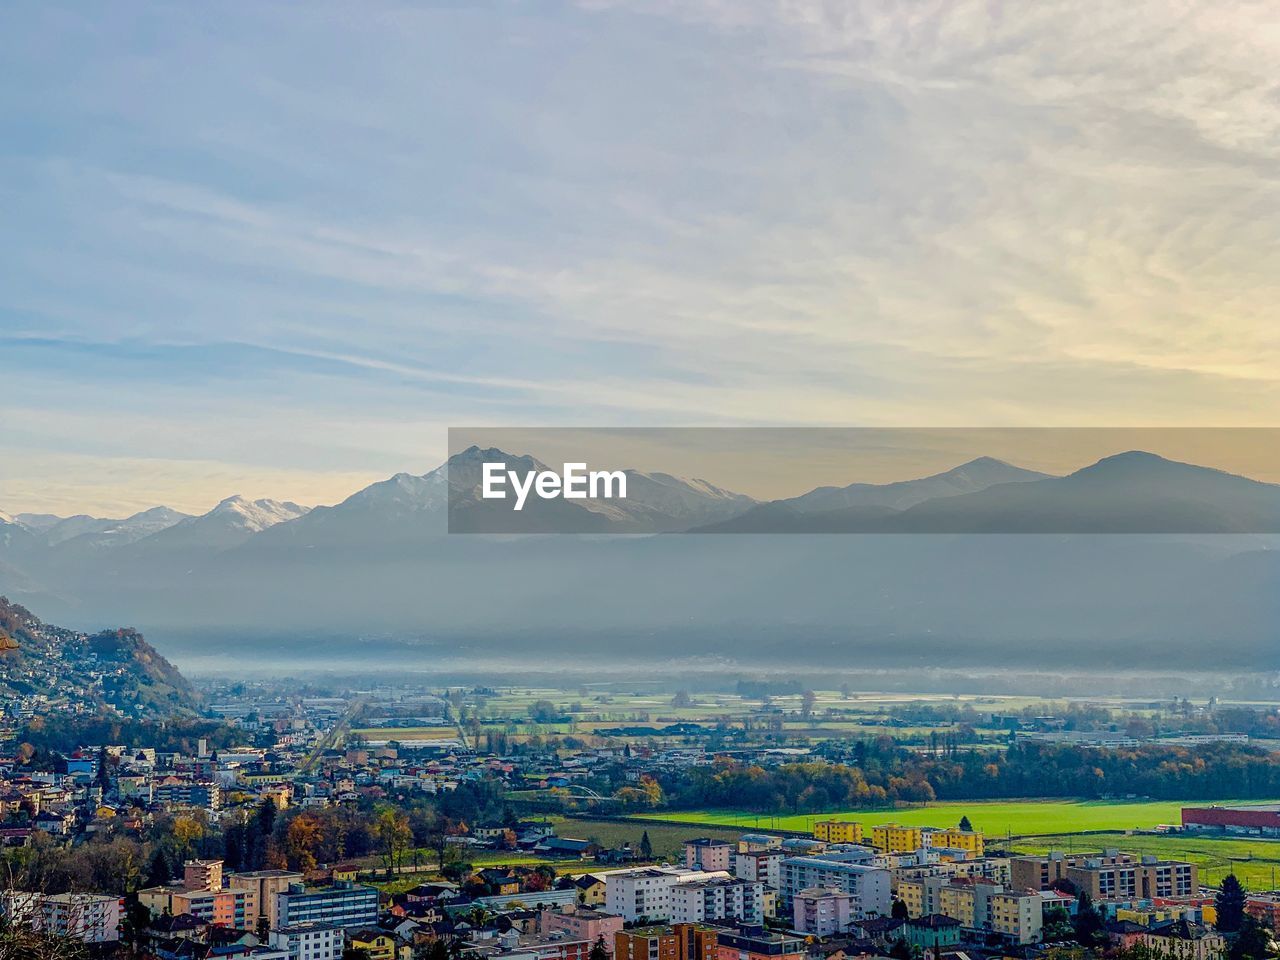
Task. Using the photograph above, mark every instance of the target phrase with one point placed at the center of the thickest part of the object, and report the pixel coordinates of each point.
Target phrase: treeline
(175, 735)
(881, 772)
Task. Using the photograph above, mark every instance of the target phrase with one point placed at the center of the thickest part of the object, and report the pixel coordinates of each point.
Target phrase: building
(867, 885)
(580, 923)
(1265, 908)
(308, 941)
(933, 933)
(892, 838)
(678, 942)
(755, 943)
(705, 853)
(1018, 916)
(762, 865)
(378, 944)
(970, 841)
(344, 904)
(263, 885)
(84, 917)
(645, 891)
(820, 912)
(176, 791)
(1262, 819)
(717, 898)
(1183, 940)
(838, 831)
(1110, 875)
(224, 908)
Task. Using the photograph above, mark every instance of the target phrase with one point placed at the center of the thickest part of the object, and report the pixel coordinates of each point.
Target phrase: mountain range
(379, 563)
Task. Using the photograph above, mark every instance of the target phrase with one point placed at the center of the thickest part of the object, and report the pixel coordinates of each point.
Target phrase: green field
(666, 839)
(1255, 862)
(994, 818)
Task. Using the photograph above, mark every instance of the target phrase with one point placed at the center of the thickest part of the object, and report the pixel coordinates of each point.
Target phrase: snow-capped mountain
(230, 523)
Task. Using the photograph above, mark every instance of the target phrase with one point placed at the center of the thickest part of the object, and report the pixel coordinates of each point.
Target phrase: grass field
(1256, 863)
(666, 839)
(994, 818)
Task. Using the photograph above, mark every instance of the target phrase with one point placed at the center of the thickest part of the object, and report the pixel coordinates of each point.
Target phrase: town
(298, 821)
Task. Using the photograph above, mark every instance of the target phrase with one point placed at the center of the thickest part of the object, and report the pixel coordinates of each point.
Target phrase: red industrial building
(1260, 819)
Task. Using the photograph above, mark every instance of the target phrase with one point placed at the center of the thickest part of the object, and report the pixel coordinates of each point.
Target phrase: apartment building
(1018, 916)
(344, 904)
(308, 941)
(867, 885)
(704, 853)
(893, 838)
(83, 917)
(646, 891)
(661, 942)
(756, 943)
(838, 831)
(971, 842)
(1108, 875)
(262, 887)
(764, 866)
(820, 912)
(716, 899)
(580, 923)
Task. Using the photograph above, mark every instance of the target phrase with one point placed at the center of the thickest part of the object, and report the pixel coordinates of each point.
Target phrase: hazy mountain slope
(117, 668)
(1131, 492)
(967, 478)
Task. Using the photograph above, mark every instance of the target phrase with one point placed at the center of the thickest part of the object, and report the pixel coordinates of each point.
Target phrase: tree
(159, 872)
(543, 711)
(1230, 904)
(899, 910)
(1251, 942)
(682, 699)
(901, 950)
(391, 828)
(965, 824)
(302, 838)
(807, 700)
(646, 846)
(1057, 925)
(1088, 922)
(599, 951)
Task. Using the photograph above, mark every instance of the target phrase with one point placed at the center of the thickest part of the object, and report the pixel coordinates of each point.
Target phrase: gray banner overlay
(731, 480)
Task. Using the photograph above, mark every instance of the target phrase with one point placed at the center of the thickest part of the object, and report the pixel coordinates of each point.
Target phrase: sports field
(995, 818)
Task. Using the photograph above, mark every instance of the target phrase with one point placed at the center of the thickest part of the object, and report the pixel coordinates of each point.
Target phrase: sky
(278, 249)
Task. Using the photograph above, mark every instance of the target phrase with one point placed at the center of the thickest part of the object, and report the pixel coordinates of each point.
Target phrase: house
(934, 932)
(378, 944)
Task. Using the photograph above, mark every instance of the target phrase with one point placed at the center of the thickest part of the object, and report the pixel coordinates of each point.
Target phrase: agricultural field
(1256, 863)
(994, 818)
(406, 733)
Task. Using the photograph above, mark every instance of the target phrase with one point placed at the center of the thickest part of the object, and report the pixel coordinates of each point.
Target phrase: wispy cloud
(311, 239)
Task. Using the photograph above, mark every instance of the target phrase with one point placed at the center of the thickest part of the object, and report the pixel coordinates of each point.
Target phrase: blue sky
(276, 249)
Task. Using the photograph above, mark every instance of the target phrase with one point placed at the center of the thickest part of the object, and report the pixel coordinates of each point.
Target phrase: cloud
(315, 254)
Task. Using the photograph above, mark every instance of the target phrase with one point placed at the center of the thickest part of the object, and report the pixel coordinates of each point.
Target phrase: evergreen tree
(965, 824)
(1230, 904)
(646, 847)
(1251, 942)
(159, 872)
(599, 951)
(899, 910)
(1088, 922)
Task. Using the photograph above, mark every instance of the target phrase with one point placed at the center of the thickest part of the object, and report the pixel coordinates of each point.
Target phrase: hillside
(62, 669)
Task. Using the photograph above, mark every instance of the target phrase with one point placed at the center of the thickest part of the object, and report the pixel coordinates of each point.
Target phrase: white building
(646, 891)
(867, 885)
(308, 941)
(86, 917)
(717, 898)
(762, 865)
